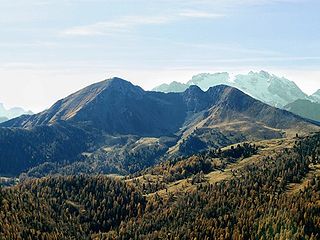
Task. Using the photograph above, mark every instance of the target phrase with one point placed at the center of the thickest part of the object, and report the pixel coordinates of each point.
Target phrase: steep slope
(118, 107)
(114, 126)
(305, 108)
(236, 117)
(263, 86)
(21, 149)
(115, 106)
(234, 104)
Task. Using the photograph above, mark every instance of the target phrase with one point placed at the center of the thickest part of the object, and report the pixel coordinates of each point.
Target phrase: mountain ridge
(113, 126)
(117, 91)
(263, 86)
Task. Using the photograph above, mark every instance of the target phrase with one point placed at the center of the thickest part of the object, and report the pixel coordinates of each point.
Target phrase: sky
(51, 48)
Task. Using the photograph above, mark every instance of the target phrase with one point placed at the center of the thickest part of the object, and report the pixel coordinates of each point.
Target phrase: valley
(236, 192)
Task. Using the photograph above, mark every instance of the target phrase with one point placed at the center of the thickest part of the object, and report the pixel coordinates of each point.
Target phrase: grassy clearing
(294, 188)
(266, 148)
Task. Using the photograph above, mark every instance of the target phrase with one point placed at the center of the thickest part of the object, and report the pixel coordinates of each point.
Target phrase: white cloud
(118, 25)
(238, 2)
(127, 23)
(199, 14)
(191, 9)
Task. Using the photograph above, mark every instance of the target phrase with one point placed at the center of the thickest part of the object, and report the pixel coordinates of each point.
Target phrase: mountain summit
(116, 106)
(122, 128)
(263, 86)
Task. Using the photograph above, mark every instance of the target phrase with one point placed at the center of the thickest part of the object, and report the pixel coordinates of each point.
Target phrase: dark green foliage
(21, 149)
(181, 168)
(241, 150)
(192, 145)
(96, 130)
(254, 204)
(121, 158)
(67, 207)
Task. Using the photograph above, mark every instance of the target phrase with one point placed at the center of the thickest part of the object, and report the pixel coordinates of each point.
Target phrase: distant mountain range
(6, 114)
(3, 119)
(316, 96)
(263, 86)
(116, 127)
(305, 108)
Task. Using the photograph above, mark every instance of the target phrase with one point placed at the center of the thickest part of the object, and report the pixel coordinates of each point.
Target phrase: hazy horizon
(71, 88)
(50, 49)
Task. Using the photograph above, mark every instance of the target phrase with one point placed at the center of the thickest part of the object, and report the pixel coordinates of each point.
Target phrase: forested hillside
(268, 196)
(66, 208)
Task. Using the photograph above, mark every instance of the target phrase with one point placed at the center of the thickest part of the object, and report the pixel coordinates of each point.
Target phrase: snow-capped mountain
(207, 80)
(172, 87)
(268, 88)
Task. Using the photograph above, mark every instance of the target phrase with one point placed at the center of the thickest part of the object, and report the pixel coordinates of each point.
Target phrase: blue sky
(50, 48)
